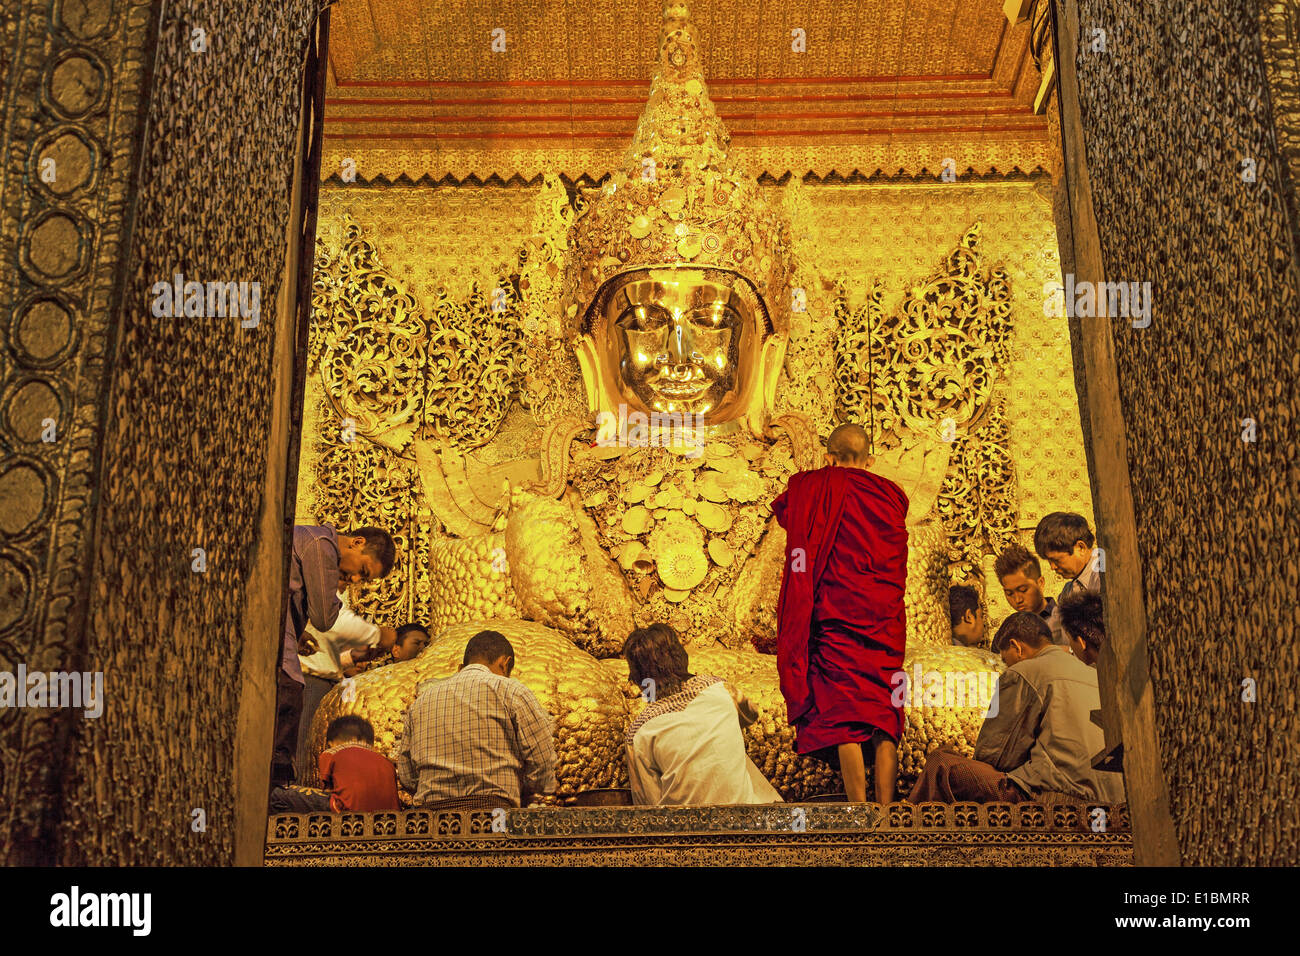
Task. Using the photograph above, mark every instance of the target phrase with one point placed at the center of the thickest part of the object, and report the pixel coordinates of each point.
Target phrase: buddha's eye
(643, 318)
(716, 315)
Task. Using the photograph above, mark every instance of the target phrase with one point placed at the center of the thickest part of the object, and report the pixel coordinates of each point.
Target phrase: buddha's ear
(589, 363)
(770, 364)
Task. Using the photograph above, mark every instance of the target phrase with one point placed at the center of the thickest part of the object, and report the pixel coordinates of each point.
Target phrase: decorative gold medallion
(682, 567)
(710, 489)
(712, 516)
(637, 520)
(742, 486)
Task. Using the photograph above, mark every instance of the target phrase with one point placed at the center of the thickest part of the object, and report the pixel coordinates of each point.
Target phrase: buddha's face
(680, 340)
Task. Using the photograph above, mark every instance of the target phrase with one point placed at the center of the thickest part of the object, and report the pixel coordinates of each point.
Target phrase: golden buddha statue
(654, 503)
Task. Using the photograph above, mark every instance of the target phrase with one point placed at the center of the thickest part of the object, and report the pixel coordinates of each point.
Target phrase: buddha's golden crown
(679, 199)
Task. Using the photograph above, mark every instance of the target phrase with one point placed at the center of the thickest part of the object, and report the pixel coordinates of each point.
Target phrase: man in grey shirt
(322, 561)
(1039, 735)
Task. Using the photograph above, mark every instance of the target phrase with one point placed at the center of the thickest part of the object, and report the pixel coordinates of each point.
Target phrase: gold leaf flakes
(637, 520)
(712, 516)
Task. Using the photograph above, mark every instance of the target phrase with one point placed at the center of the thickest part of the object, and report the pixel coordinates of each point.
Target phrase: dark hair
(656, 652)
(962, 598)
(1059, 531)
(1081, 617)
(1025, 627)
(410, 629)
(1015, 558)
(379, 545)
(351, 727)
(486, 646)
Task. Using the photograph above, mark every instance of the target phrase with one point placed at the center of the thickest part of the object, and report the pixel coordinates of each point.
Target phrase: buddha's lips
(682, 391)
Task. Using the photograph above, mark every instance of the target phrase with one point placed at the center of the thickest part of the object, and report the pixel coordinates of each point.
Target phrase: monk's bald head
(849, 446)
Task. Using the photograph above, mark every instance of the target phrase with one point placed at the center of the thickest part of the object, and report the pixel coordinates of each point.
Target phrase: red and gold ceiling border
(960, 89)
(981, 158)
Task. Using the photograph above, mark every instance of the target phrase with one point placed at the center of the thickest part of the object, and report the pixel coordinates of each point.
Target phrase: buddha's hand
(918, 466)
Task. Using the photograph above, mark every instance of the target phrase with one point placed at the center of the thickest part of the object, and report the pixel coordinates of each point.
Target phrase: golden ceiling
(897, 86)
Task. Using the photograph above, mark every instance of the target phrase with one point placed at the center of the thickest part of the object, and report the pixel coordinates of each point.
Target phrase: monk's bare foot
(886, 770)
(854, 771)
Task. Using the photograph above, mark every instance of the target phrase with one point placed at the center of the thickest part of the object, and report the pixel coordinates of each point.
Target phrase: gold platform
(817, 834)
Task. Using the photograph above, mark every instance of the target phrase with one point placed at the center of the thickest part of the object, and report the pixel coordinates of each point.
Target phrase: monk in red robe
(841, 626)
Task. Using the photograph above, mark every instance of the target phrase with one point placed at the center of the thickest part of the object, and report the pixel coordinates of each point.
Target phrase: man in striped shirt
(478, 738)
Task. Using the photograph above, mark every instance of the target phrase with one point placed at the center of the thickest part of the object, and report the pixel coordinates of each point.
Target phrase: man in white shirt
(351, 638)
(686, 747)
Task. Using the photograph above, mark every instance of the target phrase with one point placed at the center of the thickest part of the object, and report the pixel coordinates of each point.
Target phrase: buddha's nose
(680, 355)
(678, 364)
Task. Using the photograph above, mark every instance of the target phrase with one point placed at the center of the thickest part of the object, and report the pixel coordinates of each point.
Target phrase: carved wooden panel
(1183, 113)
(161, 418)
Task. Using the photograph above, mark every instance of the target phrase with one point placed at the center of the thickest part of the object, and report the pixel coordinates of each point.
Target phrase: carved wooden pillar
(1178, 123)
(1127, 698)
(143, 140)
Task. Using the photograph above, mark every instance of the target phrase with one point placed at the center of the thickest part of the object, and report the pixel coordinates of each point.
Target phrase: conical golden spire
(679, 121)
(679, 199)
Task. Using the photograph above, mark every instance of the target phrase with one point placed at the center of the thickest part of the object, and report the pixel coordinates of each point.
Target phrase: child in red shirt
(360, 779)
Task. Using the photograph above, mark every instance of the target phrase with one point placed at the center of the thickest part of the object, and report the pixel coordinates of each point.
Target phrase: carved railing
(817, 833)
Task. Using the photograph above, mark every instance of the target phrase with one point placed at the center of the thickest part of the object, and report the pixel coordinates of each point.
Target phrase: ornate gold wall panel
(936, 366)
(901, 234)
(1217, 520)
(434, 236)
(995, 156)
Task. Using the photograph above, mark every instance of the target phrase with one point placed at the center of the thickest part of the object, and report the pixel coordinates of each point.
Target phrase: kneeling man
(477, 739)
(1040, 737)
(686, 747)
